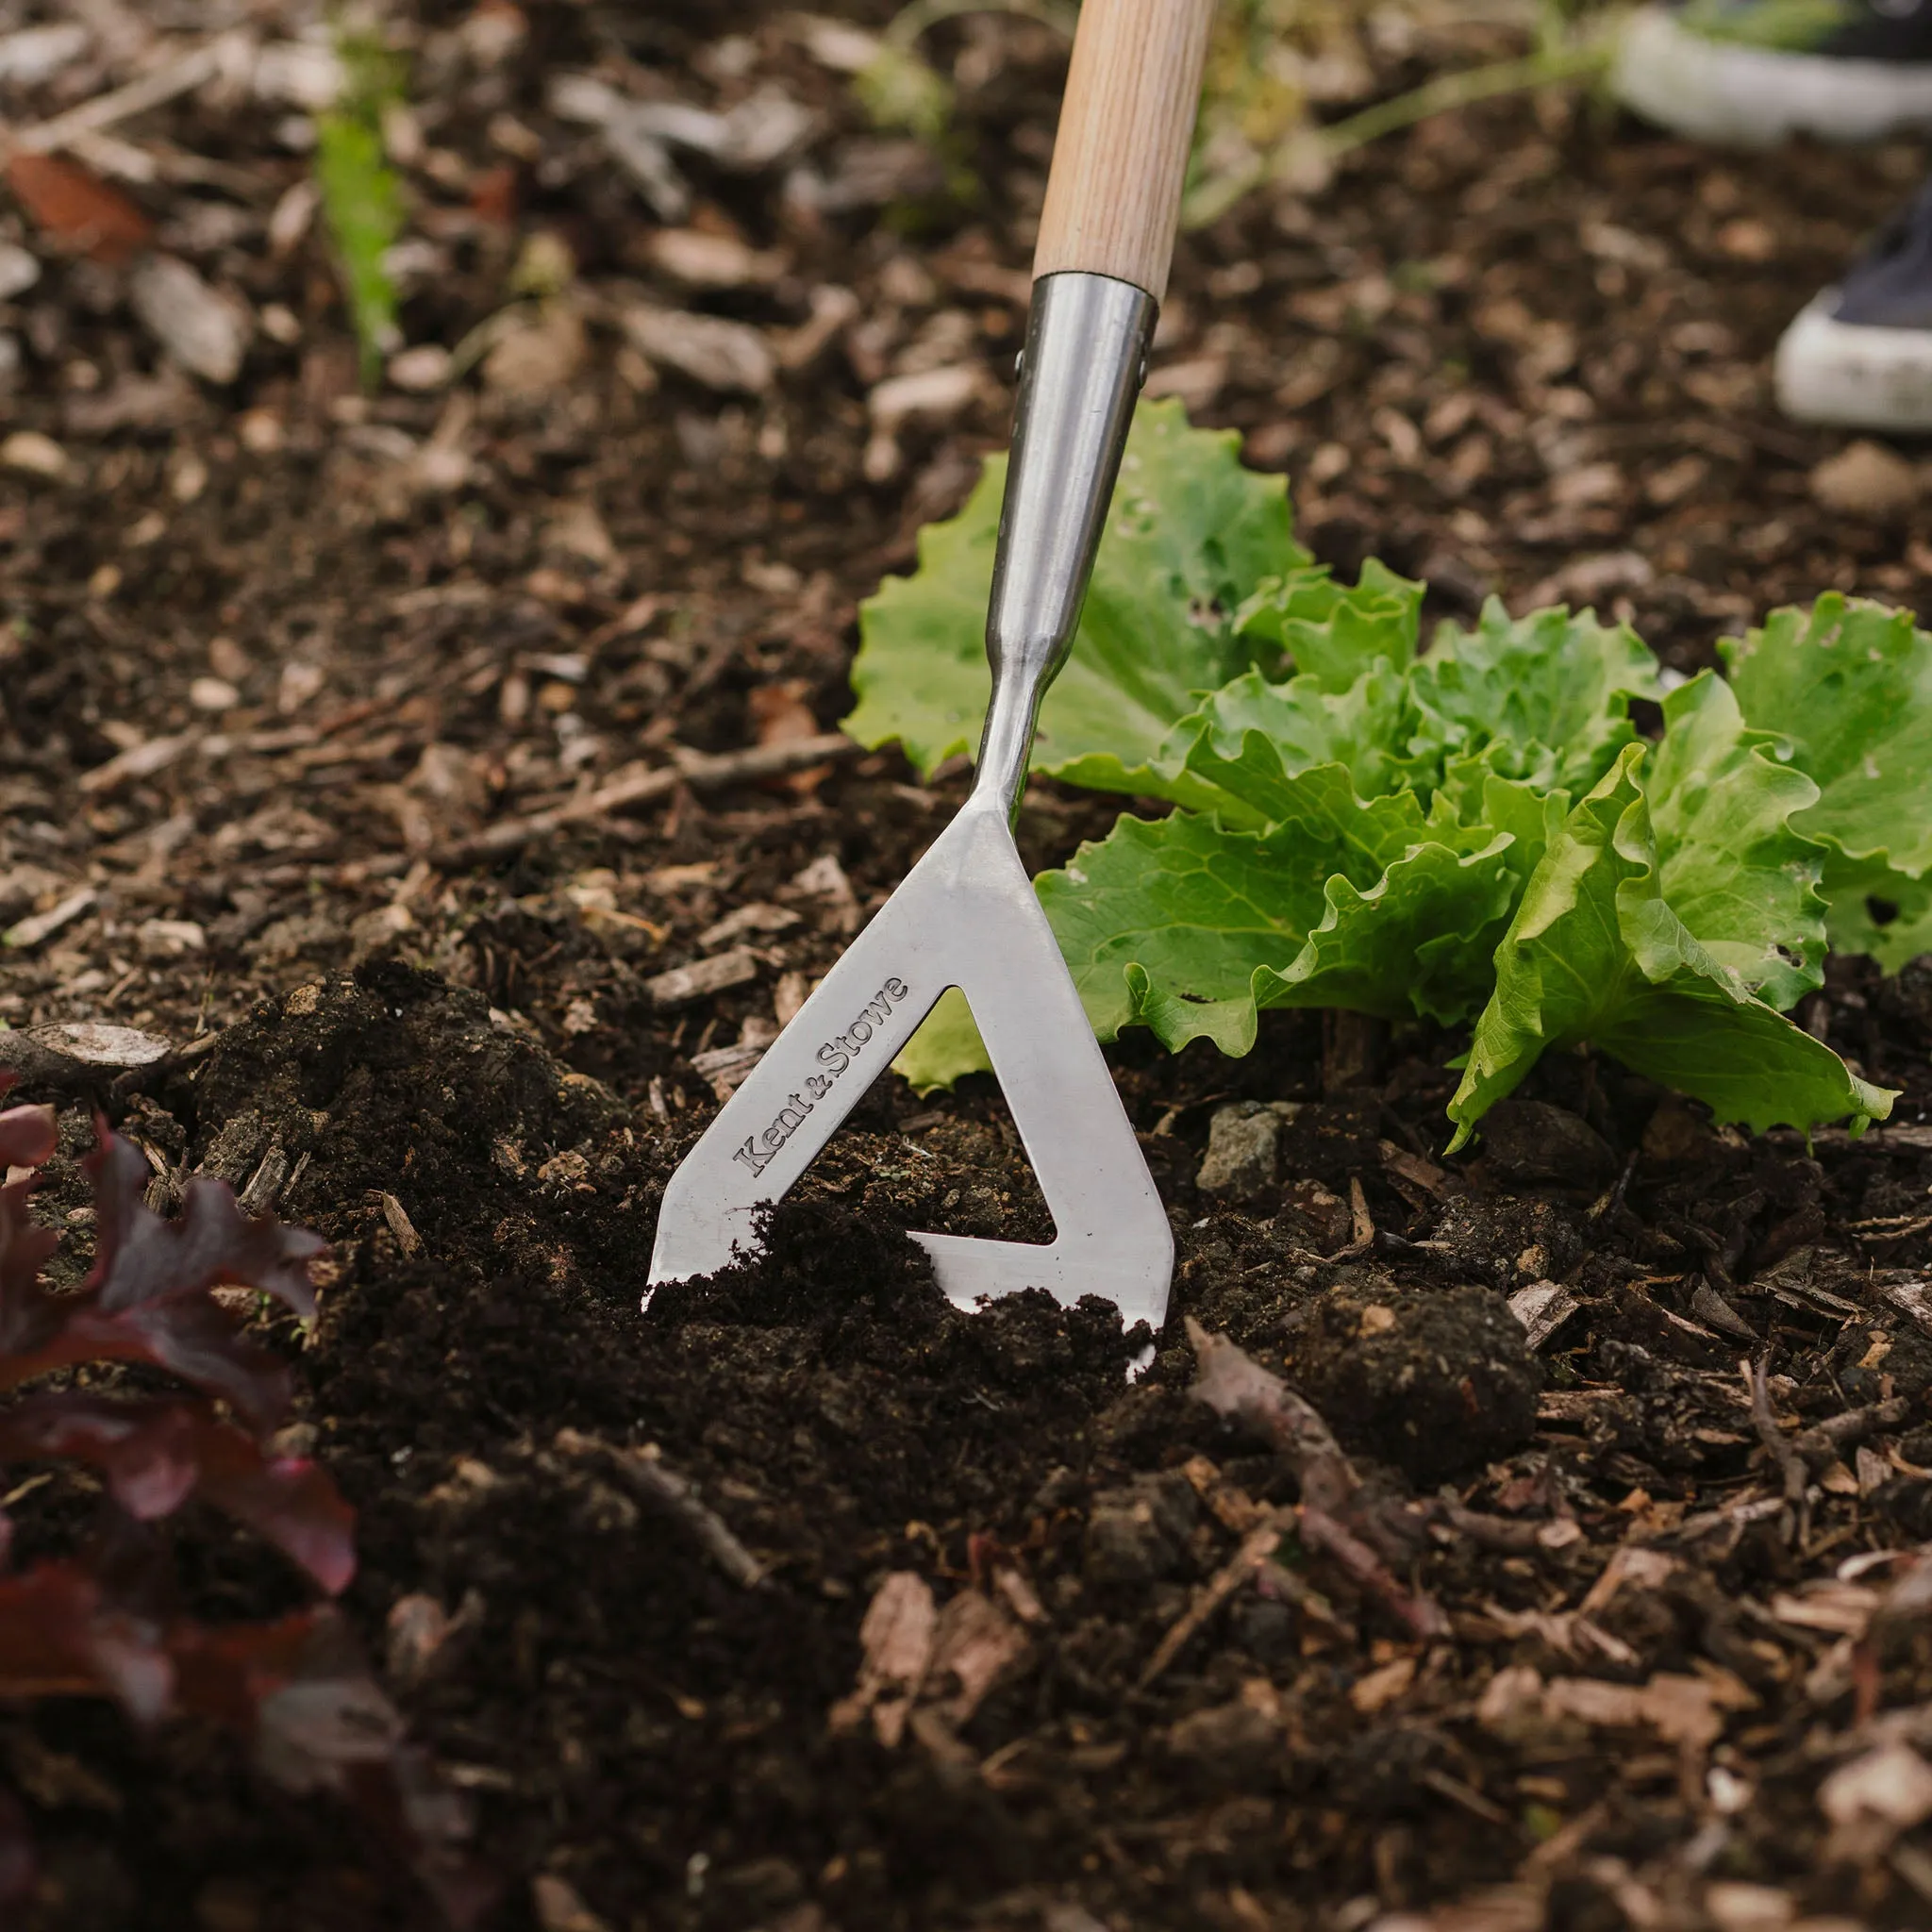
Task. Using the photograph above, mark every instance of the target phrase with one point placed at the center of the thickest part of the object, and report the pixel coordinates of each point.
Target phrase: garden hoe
(967, 916)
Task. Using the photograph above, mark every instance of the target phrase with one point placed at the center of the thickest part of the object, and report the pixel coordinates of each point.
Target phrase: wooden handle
(1114, 195)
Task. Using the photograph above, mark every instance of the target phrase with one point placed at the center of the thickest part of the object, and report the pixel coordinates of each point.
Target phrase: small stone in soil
(1241, 1157)
(1866, 479)
(30, 453)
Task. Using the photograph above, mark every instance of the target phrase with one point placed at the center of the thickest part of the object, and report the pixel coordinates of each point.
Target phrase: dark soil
(1523, 349)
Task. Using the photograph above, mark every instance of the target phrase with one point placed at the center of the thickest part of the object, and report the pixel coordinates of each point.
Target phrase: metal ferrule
(1086, 353)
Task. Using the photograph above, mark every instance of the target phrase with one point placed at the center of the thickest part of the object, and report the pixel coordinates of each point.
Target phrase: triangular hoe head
(967, 917)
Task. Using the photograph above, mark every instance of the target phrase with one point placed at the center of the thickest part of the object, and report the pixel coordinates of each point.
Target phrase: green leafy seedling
(361, 196)
(1474, 832)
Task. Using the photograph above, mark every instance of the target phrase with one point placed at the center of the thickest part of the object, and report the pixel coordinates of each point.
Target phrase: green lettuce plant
(1476, 833)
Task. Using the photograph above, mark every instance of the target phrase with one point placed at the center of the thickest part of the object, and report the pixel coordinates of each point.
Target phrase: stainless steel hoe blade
(967, 915)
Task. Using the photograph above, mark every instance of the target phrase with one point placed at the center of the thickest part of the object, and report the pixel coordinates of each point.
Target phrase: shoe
(1753, 73)
(1860, 355)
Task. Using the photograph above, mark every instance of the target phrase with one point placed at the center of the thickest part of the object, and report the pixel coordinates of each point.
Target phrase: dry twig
(1333, 1517)
(693, 769)
(651, 1480)
(1822, 1443)
(1371, 1576)
(1509, 1536)
(1283, 1585)
(1256, 1547)
(122, 104)
(1362, 1222)
(1797, 1478)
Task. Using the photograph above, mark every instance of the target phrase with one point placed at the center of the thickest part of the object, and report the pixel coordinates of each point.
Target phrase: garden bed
(280, 653)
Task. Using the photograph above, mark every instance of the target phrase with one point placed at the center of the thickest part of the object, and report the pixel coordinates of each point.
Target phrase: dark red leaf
(227, 1673)
(196, 1340)
(320, 1721)
(296, 1689)
(19, 1869)
(26, 1139)
(155, 1453)
(493, 197)
(60, 1638)
(142, 1258)
(291, 1501)
(26, 1134)
(77, 208)
(147, 1299)
(28, 1318)
(145, 1449)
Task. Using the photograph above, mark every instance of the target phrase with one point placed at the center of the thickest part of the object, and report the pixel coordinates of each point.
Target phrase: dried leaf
(1644, 1569)
(205, 332)
(1382, 1686)
(976, 1644)
(77, 208)
(1513, 1692)
(1873, 1799)
(1842, 1609)
(559, 1906)
(539, 356)
(1682, 1709)
(718, 353)
(419, 1626)
(780, 715)
(897, 1639)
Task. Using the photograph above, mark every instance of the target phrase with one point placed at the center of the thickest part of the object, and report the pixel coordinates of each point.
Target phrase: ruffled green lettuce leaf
(1250, 742)
(1877, 909)
(1361, 827)
(1334, 632)
(1847, 688)
(1544, 698)
(1188, 535)
(1416, 940)
(1733, 868)
(1193, 928)
(1595, 953)
(945, 1049)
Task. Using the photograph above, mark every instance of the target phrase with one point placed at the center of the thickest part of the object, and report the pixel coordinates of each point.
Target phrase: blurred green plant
(900, 90)
(1268, 64)
(902, 93)
(1256, 127)
(1254, 91)
(361, 196)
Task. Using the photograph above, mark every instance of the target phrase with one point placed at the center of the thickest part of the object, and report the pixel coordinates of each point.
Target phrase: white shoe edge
(1852, 375)
(1738, 96)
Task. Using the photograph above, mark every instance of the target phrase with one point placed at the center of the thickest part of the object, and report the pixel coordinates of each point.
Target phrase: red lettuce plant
(98, 1623)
